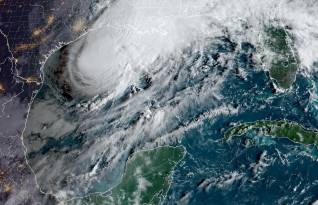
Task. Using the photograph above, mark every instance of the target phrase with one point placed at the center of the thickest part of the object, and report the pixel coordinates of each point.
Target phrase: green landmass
(145, 180)
(284, 64)
(282, 128)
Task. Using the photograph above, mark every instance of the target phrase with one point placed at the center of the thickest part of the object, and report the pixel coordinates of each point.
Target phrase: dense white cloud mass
(132, 34)
(168, 44)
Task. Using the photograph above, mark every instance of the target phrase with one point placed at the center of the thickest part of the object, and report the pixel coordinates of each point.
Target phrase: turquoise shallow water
(78, 150)
(268, 171)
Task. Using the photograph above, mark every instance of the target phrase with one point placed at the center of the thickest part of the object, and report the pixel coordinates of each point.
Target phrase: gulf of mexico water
(268, 171)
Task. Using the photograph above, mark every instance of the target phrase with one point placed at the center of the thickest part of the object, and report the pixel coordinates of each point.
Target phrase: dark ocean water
(270, 171)
(246, 170)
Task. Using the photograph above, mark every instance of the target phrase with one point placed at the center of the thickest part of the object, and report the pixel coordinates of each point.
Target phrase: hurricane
(148, 72)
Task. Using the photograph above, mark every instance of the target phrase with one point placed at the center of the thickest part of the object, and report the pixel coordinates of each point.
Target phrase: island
(279, 128)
